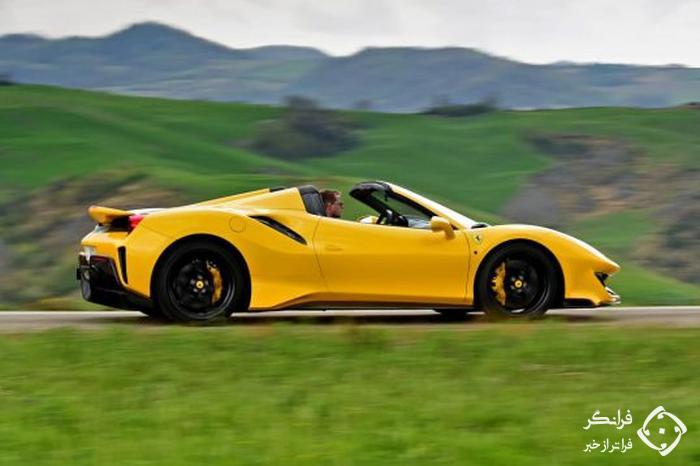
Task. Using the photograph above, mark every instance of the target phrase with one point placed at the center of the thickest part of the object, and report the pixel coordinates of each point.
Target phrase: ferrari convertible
(275, 249)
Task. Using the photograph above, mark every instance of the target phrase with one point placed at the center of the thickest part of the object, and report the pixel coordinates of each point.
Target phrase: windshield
(438, 209)
(415, 215)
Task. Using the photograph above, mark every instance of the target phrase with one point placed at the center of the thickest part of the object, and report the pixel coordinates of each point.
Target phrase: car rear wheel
(200, 281)
(518, 281)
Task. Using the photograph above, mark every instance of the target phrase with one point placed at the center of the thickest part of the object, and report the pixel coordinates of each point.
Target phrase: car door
(382, 263)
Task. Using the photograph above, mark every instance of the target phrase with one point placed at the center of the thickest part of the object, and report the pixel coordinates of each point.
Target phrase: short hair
(329, 196)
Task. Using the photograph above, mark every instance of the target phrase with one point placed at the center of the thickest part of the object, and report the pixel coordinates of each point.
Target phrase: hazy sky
(538, 31)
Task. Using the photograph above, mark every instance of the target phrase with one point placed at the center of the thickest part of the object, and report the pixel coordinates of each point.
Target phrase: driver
(332, 203)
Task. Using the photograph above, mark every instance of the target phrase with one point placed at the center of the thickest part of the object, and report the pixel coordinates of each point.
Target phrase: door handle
(333, 248)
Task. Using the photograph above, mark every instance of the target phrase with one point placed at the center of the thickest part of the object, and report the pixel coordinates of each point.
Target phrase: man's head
(332, 203)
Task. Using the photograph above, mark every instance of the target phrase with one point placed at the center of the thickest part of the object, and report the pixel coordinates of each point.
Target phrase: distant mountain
(154, 59)
(406, 79)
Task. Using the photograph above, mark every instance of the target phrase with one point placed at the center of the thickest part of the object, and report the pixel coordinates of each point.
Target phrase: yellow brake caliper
(497, 283)
(218, 283)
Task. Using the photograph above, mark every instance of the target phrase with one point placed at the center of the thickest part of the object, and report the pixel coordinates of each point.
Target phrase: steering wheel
(400, 220)
(389, 217)
(385, 217)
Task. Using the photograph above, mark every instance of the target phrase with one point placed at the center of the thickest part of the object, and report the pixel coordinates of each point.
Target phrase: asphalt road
(19, 321)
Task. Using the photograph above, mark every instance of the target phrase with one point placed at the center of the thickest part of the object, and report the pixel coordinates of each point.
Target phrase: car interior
(391, 209)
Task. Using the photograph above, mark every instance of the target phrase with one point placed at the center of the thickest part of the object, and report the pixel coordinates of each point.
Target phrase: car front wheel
(519, 280)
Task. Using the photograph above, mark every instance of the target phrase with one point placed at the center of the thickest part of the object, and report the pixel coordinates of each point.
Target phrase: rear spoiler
(105, 215)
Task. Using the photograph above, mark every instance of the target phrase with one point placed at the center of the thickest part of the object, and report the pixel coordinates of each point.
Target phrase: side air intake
(275, 225)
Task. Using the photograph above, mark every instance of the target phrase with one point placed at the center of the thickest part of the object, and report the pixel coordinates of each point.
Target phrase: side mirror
(441, 224)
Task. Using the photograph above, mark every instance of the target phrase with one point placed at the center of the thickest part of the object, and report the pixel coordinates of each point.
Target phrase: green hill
(624, 180)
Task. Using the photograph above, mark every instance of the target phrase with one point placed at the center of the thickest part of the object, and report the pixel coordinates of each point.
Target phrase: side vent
(275, 225)
(122, 262)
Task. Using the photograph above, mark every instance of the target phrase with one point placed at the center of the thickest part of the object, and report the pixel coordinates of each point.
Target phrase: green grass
(510, 394)
(615, 233)
(639, 286)
(474, 165)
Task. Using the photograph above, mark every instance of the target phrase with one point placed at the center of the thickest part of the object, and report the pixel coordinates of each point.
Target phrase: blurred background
(579, 115)
(150, 106)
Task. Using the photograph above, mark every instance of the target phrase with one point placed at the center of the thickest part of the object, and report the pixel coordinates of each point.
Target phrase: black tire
(200, 281)
(528, 278)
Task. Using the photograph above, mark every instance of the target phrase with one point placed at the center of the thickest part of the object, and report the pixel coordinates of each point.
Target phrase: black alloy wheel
(518, 280)
(200, 282)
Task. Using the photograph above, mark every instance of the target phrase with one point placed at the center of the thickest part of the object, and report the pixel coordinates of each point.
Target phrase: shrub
(305, 130)
(462, 110)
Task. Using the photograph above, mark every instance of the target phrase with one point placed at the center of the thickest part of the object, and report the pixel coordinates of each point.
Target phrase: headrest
(313, 203)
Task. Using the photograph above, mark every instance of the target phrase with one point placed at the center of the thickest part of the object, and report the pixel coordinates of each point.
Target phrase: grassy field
(475, 165)
(508, 394)
(49, 133)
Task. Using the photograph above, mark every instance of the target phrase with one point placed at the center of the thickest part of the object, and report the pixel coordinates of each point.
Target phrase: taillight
(134, 221)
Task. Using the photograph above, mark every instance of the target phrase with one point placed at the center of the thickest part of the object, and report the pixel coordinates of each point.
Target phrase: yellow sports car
(275, 249)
